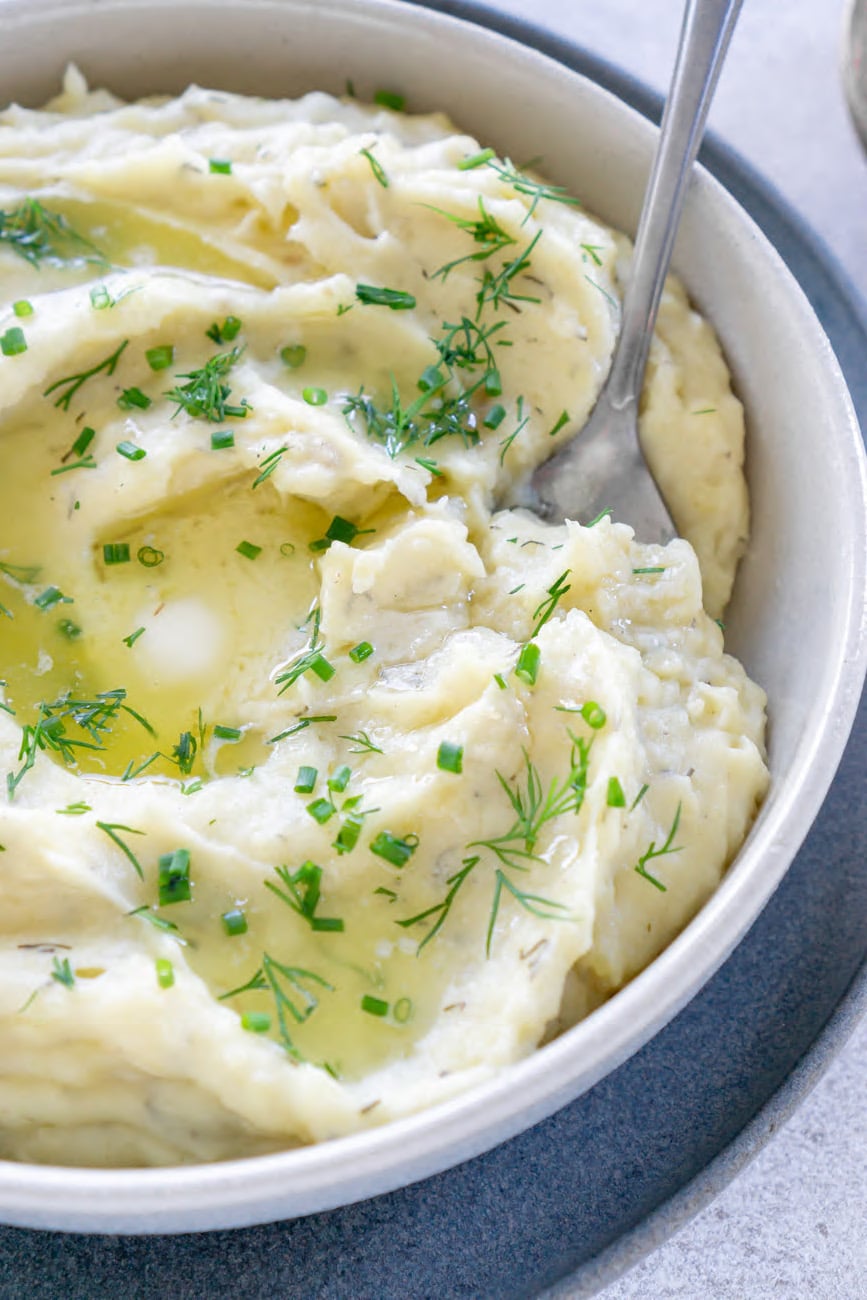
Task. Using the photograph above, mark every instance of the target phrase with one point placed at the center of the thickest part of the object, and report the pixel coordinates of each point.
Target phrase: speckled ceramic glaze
(797, 620)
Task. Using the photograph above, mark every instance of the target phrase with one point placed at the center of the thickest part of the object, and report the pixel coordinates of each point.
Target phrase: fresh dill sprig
(110, 829)
(71, 383)
(497, 290)
(39, 235)
(652, 852)
(546, 909)
(522, 422)
(485, 230)
(61, 971)
(363, 743)
(535, 190)
(205, 396)
(93, 717)
(268, 465)
(534, 807)
(441, 910)
(279, 979)
(546, 607)
(23, 574)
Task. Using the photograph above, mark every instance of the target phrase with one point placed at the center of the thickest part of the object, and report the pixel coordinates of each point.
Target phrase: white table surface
(793, 1224)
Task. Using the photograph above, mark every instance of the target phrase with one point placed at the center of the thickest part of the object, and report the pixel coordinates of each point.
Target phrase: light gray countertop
(792, 1224)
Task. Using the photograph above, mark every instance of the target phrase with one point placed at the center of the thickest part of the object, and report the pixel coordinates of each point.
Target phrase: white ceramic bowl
(797, 619)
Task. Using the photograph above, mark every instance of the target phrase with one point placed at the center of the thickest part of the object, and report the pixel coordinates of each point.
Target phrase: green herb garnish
(72, 383)
(652, 852)
(205, 395)
(39, 235)
(393, 849)
(13, 342)
(174, 877)
(373, 296)
(450, 757)
(110, 829)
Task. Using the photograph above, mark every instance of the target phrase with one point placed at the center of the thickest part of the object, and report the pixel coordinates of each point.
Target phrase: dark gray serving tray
(586, 1192)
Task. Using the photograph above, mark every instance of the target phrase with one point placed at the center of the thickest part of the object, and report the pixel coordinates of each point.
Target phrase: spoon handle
(704, 38)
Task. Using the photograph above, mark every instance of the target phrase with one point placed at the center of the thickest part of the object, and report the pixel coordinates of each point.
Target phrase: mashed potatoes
(331, 790)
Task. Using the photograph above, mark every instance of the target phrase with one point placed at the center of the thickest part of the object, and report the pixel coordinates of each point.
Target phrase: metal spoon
(603, 466)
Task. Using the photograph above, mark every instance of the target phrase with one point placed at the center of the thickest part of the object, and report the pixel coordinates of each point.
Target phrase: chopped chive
(431, 377)
(360, 652)
(327, 924)
(234, 922)
(347, 836)
(339, 779)
(83, 441)
(402, 1010)
(501, 681)
(314, 396)
(342, 530)
(133, 637)
(130, 451)
(450, 757)
(248, 550)
(322, 668)
(75, 809)
(13, 342)
(174, 877)
(594, 715)
(294, 355)
(527, 667)
(165, 973)
(227, 733)
(70, 630)
(220, 166)
(615, 797)
(230, 329)
(305, 782)
(562, 420)
(374, 296)
(321, 810)
(23, 307)
(493, 383)
(134, 399)
(100, 298)
(374, 1006)
(476, 160)
(160, 358)
(394, 850)
(651, 568)
(50, 597)
(602, 515)
(495, 417)
(116, 552)
(389, 99)
(223, 439)
(256, 1022)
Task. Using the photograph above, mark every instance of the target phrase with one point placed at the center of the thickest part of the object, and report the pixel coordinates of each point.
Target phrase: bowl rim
(252, 1189)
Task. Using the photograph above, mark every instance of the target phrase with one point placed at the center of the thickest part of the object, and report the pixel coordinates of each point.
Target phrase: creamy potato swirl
(332, 790)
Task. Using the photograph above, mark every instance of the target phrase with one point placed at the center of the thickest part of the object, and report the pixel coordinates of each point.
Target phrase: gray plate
(588, 1191)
